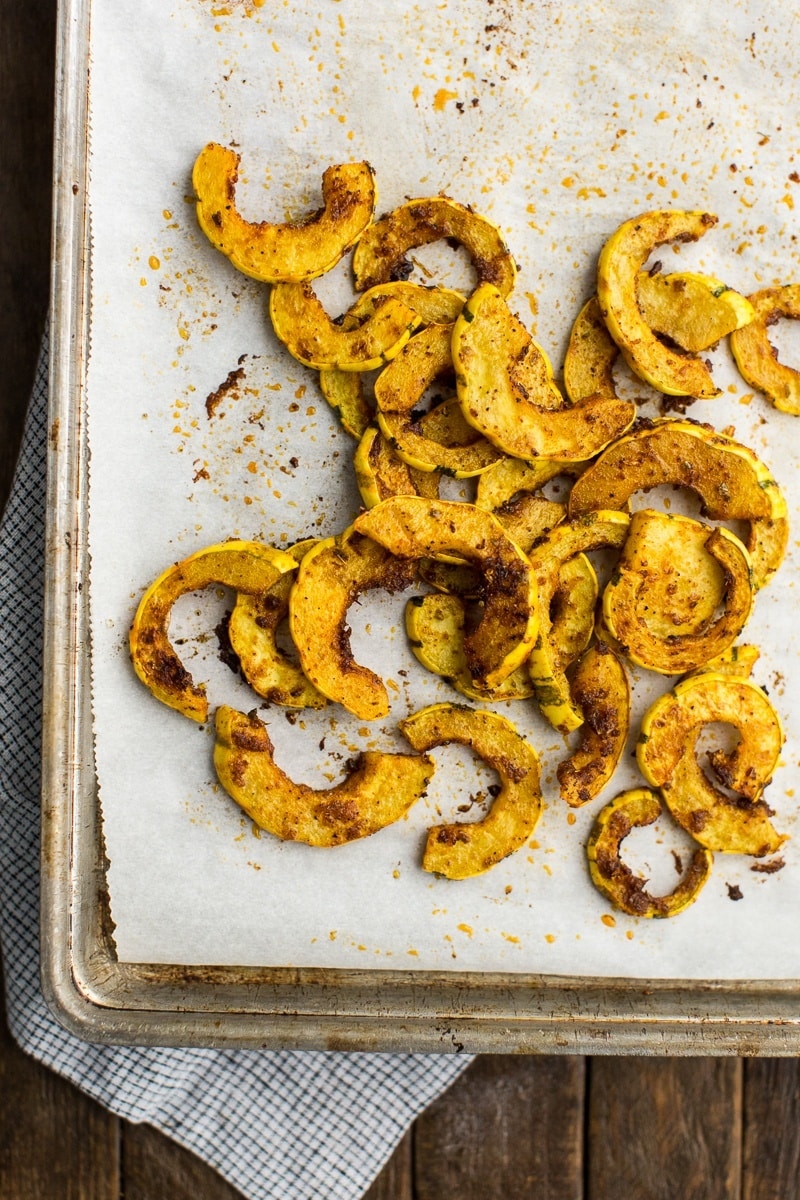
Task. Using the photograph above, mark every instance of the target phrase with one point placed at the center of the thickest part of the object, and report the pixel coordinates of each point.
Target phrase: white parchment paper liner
(558, 122)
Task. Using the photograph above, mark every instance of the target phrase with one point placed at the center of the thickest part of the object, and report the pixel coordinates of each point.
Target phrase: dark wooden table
(511, 1127)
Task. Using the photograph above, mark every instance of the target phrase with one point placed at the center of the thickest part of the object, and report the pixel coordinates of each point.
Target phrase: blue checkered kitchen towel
(284, 1125)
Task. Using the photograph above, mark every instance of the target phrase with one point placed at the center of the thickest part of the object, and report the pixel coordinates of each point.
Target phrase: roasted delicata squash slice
(572, 607)
(694, 311)
(636, 597)
(621, 260)
(755, 355)
(463, 850)
(732, 483)
(249, 567)
(505, 385)
(453, 447)
(344, 391)
(413, 528)
(454, 579)
(381, 252)
(667, 757)
(379, 788)
(252, 630)
(436, 626)
(593, 531)
(591, 355)
(599, 687)
(617, 882)
(329, 579)
(380, 473)
(737, 661)
(511, 490)
(283, 252)
(310, 336)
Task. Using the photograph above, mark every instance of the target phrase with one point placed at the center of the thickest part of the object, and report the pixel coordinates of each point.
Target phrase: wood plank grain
(395, 1181)
(771, 1168)
(509, 1128)
(662, 1128)
(27, 63)
(54, 1141)
(156, 1168)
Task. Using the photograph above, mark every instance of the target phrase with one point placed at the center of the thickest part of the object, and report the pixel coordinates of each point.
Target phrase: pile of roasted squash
(513, 609)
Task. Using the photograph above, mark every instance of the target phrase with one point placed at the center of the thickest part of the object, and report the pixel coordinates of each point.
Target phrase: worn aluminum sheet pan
(102, 1000)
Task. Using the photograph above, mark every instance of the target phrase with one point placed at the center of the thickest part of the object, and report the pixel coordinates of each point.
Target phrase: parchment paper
(558, 122)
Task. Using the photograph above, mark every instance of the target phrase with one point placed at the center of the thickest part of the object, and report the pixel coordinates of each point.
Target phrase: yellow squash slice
(330, 578)
(756, 357)
(506, 389)
(381, 252)
(379, 788)
(618, 883)
(634, 600)
(600, 689)
(511, 490)
(282, 252)
(590, 357)
(380, 473)
(252, 631)
(694, 311)
(248, 567)
(463, 850)
(732, 483)
(435, 625)
(593, 531)
(667, 757)
(413, 528)
(399, 391)
(621, 260)
(310, 336)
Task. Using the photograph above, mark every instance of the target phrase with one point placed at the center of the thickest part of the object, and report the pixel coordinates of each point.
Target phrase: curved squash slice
(310, 336)
(506, 389)
(399, 390)
(380, 473)
(618, 883)
(631, 607)
(737, 661)
(378, 790)
(621, 260)
(509, 489)
(381, 252)
(600, 688)
(462, 851)
(694, 311)
(667, 757)
(345, 393)
(330, 578)
(733, 484)
(248, 567)
(252, 628)
(755, 356)
(288, 252)
(590, 532)
(590, 357)
(436, 625)
(413, 528)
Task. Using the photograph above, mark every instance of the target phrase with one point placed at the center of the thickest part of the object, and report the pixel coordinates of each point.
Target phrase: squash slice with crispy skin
(282, 252)
(511, 489)
(252, 631)
(381, 253)
(732, 483)
(380, 473)
(599, 687)
(310, 336)
(621, 260)
(593, 531)
(618, 883)
(330, 578)
(414, 528)
(635, 599)
(756, 357)
(248, 567)
(399, 390)
(463, 850)
(667, 757)
(505, 386)
(379, 788)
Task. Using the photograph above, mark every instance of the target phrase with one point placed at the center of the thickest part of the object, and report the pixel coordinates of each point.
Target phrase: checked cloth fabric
(283, 1125)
